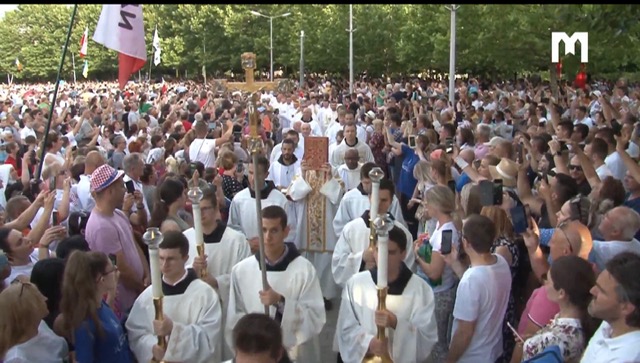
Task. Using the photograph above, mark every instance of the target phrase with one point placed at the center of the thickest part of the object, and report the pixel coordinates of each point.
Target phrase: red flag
(121, 28)
(84, 43)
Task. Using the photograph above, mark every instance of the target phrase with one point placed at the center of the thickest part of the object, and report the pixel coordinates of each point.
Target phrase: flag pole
(55, 92)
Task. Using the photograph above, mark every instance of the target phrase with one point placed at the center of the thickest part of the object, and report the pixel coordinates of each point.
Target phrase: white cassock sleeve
(140, 330)
(304, 315)
(344, 262)
(353, 340)
(341, 219)
(197, 342)
(224, 281)
(235, 217)
(236, 309)
(415, 337)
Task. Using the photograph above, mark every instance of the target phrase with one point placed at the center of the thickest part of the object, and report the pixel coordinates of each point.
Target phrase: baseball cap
(104, 176)
(495, 141)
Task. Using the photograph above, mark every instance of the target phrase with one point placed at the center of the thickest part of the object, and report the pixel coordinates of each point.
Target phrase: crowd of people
(515, 211)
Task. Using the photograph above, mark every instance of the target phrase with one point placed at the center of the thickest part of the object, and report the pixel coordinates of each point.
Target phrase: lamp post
(271, 36)
(452, 55)
(301, 58)
(351, 30)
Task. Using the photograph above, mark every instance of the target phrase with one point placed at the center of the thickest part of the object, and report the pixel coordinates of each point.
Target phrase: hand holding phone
(130, 187)
(445, 242)
(515, 332)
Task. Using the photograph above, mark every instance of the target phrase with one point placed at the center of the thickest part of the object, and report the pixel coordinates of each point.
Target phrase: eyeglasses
(114, 269)
(575, 167)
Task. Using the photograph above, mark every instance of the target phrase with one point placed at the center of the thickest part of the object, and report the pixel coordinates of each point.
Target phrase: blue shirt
(113, 347)
(407, 182)
(635, 205)
(462, 181)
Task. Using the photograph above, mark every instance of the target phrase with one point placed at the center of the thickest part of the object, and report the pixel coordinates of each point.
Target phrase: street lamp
(271, 35)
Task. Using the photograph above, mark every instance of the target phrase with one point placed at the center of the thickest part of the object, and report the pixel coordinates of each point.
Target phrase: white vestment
(364, 152)
(351, 178)
(303, 315)
(196, 316)
(282, 176)
(226, 249)
(332, 132)
(416, 331)
(354, 203)
(243, 216)
(277, 151)
(353, 241)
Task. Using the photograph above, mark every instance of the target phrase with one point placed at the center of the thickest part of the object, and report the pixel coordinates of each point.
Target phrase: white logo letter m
(569, 45)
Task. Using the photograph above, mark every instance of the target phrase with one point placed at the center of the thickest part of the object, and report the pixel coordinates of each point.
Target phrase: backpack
(551, 354)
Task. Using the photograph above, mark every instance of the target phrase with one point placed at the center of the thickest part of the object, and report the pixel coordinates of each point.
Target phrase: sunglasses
(575, 167)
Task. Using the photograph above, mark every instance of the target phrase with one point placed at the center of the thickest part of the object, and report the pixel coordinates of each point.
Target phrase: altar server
(356, 201)
(352, 253)
(409, 318)
(242, 212)
(192, 315)
(293, 296)
(223, 247)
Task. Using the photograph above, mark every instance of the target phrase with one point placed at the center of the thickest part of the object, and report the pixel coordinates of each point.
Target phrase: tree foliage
(495, 40)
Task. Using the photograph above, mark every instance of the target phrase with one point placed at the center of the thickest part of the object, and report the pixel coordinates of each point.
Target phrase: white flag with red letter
(121, 28)
(84, 43)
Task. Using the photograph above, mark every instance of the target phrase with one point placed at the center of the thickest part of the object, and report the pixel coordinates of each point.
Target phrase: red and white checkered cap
(104, 176)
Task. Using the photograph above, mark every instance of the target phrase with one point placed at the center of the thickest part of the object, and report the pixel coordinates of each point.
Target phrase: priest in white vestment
(282, 173)
(410, 322)
(351, 141)
(352, 253)
(298, 147)
(242, 212)
(356, 201)
(316, 237)
(223, 248)
(293, 297)
(307, 117)
(349, 172)
(192, 313)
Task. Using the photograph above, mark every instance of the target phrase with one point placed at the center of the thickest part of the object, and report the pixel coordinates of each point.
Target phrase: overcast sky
(5, 8)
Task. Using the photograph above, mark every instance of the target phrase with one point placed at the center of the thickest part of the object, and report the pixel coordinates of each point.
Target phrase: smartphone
(449, 145)
(412, 141)
(486, 193)
(527, 212)
(75, 148)
(54, 217)
(519, 219)
(35, 188)
(515, 332)
(130, 187)
(114, 259)
(269, 134)
(497, 192)
(240, 167)
(445, 242)
(212, 125)
(563, 145)
(237, 136)
(519, 153)
(52, 183)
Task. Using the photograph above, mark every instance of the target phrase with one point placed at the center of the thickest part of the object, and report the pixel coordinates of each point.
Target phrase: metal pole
(55, 93)
(204, 58)
(73, 64)
(301, 58)
(452, 56)
(350, 49)
(271, 47)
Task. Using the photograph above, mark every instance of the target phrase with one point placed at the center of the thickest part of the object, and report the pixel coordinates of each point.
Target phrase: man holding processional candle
(354, 251)
(213, 247)
(178, 317)
(387, 313)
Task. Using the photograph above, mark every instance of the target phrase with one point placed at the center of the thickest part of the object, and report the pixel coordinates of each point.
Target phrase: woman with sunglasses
(24, 336)
(86, 319)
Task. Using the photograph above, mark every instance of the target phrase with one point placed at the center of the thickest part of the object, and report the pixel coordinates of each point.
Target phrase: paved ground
(326, 336)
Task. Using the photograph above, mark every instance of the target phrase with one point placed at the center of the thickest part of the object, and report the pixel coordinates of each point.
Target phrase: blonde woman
(24, 336)
(422, 173)
(441, 206)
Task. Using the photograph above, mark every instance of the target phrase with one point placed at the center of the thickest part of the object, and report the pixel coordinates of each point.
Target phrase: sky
(5, 8)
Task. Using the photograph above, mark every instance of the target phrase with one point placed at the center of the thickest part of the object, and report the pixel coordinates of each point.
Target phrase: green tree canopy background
(492, 40)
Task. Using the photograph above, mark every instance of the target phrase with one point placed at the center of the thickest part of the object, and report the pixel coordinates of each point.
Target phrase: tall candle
(197, 224)
(375, 200)
(156, 277)
(383, 259)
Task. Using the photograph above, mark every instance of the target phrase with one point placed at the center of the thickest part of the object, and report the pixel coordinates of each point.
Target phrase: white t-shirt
(603, 348)
(46, 347)
(203, 150)
(22, 270)
(482, 296)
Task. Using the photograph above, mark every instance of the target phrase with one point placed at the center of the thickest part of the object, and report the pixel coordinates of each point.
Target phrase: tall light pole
(301, 58)
(452, 55)
(73, 65)
(351, 30)
(271, 35)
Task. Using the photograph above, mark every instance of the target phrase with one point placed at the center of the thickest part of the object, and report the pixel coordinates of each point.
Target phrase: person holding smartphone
(430, 254)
